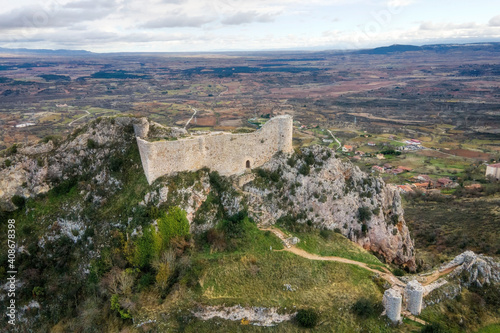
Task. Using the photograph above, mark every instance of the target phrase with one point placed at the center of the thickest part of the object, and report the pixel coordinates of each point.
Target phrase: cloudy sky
(217, 25)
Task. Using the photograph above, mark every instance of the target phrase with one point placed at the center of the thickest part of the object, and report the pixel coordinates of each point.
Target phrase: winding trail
(387, 275)
(85, 115)
(265, 225)
(333, 136)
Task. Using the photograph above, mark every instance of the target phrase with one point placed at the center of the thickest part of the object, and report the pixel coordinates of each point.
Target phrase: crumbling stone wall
(226, 153)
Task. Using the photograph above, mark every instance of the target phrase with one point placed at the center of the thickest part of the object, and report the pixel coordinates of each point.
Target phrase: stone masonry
(224, 152)
(392, 304)
(414, 294)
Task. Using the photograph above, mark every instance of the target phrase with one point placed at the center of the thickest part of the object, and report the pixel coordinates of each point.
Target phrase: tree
(307, 318)
(144, 249)
(170, 225)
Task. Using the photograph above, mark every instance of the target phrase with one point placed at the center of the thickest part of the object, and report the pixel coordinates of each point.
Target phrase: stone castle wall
(226, 153)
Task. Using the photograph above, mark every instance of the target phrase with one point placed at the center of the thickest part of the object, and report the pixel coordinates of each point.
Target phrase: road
(333, 136)
(194, 114)
(85, 115)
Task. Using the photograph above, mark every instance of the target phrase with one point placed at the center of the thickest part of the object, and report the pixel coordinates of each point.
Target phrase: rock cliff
(29, 170)
(315, 188)
(311, 187)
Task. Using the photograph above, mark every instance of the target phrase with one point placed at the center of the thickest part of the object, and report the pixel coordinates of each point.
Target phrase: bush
(364, 213)
(173, 224)
(8, 163)
(307, 318)
(233, 226)
(19, 201)
(64, 187)
(327, 234)
(364, 308)
(398, 272)
(304, 169)
(433, 328)
(91, 144)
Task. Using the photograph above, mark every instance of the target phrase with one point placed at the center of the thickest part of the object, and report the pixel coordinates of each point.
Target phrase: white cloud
(447, 26)
(495, 21)
(247, 17)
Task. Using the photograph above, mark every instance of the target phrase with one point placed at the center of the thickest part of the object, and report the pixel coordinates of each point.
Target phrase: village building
(347, 148)
(493, 170)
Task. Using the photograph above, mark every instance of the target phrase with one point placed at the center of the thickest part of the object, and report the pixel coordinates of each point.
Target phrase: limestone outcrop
(474, 269)
(29, 170)
(315, 188)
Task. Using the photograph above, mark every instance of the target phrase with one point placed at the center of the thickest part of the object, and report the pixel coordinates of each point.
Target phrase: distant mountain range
(45, 51)
(396, 48)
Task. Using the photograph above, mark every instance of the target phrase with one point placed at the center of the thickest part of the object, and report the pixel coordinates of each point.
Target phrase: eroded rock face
(34, 169)
(335, 195)
(474, 269)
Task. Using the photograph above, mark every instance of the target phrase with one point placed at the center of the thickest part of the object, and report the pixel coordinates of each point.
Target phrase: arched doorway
(248, 164)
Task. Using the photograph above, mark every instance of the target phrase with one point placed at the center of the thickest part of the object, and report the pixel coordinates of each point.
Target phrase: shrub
(307, 318)
(398, 272)
(395, 219)
(144, 249)
(91, 144)
(8, 163)
(171, 225)
(64, 187)
(233, 226)
(364, 213)
(433, 328)
(145, 281)
(326, 234)
(304, 169)
(364, 307)
(364, 228)
(216, 239)
(19, 201)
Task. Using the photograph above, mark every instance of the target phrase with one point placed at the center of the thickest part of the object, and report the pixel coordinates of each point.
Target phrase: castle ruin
(224, 152)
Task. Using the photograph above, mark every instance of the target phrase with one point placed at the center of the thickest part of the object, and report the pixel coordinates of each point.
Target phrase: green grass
(494, 328)
(254, 276)
(338, 246)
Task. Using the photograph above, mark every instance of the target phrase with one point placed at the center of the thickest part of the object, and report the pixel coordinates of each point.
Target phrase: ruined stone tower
(224, 152)
(414, 293)
(392, 304)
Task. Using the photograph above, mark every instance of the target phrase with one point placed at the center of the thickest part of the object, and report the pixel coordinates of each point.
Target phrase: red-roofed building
(405, 168)
(347, 148)
(405, 188)
(397, 171)
(377, 168)
(444, 182)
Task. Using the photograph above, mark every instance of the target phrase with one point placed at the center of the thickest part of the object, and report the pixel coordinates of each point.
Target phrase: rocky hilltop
(30, 170)
(309, 187)
(314, 187)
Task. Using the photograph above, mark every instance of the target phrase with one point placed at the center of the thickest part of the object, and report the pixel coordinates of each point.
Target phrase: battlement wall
(226, 153)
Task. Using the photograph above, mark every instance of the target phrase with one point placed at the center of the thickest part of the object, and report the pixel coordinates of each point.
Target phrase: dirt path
(437, 274)
(388, 276)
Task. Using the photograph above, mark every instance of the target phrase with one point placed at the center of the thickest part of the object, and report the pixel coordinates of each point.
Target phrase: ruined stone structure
(392, 304)
(224, 152)
(414, 293)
